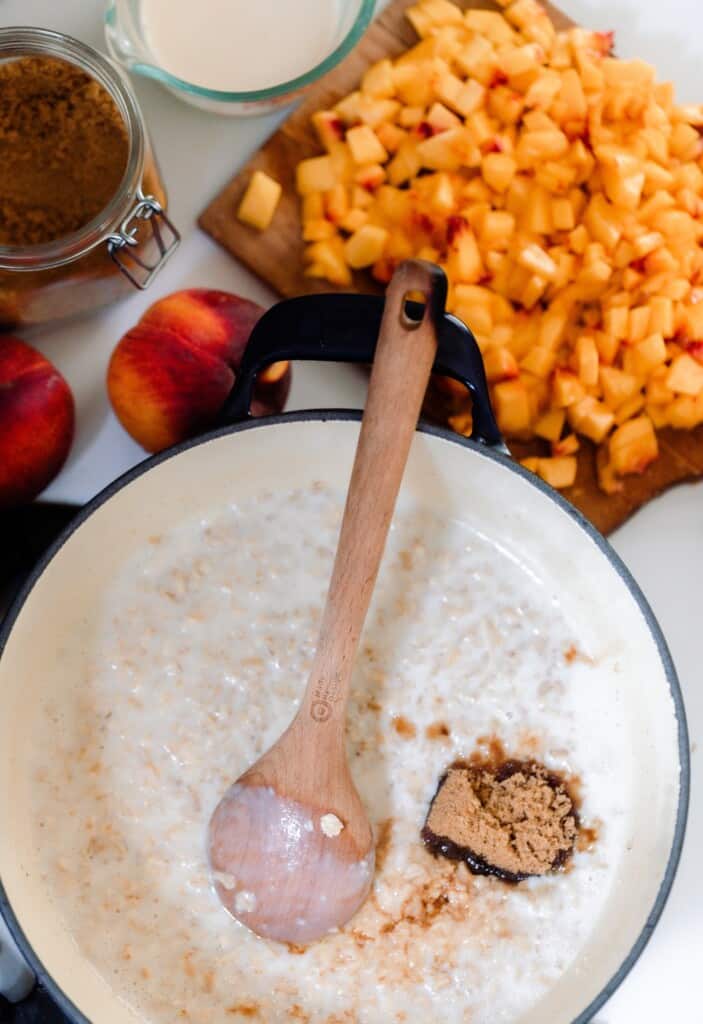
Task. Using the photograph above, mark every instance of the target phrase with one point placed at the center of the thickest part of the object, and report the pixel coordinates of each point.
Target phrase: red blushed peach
(37, 420)
(170, 375)
(163, 390)
(216, 322)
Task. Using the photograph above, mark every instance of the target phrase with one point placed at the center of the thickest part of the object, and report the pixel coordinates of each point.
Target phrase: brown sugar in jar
(79, 186)
(63, 150)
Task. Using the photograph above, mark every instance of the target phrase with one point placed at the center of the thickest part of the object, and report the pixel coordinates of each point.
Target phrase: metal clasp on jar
(123, 244)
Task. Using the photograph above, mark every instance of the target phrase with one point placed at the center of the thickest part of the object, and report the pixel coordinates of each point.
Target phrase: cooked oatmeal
(208, 635)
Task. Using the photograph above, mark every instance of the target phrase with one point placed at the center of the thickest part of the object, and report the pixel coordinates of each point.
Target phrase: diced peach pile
(561, 189)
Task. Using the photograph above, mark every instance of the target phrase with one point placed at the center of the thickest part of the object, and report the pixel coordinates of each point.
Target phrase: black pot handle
(343, 328)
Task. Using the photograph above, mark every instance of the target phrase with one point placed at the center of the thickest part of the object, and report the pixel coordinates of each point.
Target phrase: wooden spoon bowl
(291, 875)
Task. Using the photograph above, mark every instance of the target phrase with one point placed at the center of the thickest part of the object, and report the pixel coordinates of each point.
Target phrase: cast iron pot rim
(44, 977)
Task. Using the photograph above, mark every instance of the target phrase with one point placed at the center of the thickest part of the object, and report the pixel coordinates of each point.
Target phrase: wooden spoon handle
(404, 356)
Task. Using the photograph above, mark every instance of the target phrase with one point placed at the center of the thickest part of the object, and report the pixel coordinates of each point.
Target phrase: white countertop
(662, 545)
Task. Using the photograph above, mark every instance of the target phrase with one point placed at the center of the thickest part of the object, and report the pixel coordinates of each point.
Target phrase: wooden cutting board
(276, 255)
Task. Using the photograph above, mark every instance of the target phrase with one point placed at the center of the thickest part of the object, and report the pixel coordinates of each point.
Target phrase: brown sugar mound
(514, 820)
(63, 150)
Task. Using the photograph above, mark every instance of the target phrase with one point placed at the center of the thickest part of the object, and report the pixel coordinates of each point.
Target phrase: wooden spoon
(291, 849)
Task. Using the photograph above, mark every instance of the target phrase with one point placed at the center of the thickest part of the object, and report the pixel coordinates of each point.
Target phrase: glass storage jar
(123, 246)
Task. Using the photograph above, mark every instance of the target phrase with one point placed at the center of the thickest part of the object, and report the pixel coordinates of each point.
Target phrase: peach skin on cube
(329, 127)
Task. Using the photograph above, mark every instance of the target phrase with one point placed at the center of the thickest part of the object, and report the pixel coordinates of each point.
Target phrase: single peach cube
(539, 360)
(512, 406)
(558, 471)
(365, 246)
(647, 354)
(587, 360)
(685, 376)
(617, 386)
(615, 321)
(500, 364)
(591, 418)
(260, 200)
(365, 146)
(550, 425)
(533, 258)
(567, 389)
(315, 175)
(633, 446)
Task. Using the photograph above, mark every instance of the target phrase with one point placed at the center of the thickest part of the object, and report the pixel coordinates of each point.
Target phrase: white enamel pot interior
(51, 632)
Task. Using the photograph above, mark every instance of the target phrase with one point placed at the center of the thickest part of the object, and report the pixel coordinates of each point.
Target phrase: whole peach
(37, 420)
(171, 374)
